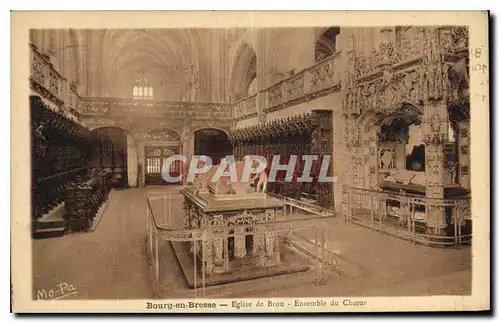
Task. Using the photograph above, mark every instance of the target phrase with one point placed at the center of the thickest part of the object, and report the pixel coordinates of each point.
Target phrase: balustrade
(307, 83)
(246, 107)
(44, 77)
(113, 107)
(52, 86)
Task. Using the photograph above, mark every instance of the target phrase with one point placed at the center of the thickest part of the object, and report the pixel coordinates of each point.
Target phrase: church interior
(388, 105)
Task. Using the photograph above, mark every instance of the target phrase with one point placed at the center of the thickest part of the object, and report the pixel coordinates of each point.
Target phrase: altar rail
(163, 227)
(373, 209)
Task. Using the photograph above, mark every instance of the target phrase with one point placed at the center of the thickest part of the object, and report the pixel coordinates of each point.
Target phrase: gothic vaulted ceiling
(168, 58)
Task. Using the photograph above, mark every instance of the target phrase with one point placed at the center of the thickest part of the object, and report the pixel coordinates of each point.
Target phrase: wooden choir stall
(306, 134)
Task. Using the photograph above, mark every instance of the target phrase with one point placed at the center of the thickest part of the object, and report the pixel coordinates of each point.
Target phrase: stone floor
(111, 263)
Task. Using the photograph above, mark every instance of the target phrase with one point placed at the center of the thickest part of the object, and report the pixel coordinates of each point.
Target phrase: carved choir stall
(414, 86)
(60, 173)
(59, 150)
(84, 198)
(307, 134)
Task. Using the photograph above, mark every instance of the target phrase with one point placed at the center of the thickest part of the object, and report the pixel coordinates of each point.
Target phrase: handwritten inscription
(62, 290)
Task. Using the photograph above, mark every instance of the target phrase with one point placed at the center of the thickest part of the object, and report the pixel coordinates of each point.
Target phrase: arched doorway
(159, 145)
(213, 143)
(109, 152)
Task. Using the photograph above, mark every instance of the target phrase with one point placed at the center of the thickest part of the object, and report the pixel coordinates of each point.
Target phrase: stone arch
(125, 153)
(372, 119)
(222, 129)
(244, 70)
(107, 123)
(326, 43)
(381, 134)
(131, 150)
(212, 142)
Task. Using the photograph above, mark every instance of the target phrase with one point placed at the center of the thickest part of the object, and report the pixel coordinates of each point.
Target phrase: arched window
(326, 43)
(142, 89)
(252, 87)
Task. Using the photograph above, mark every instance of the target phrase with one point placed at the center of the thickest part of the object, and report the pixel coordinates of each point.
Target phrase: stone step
(48, 233)
(50, 223)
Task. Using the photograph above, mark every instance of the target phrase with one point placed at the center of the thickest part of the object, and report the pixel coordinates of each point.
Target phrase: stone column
(219, 247)
(240, 249)
(208, 255)
(435, 133)
(187, 142)
(218, 254)
(194, 223)
(132, 161)
(141, 169)
(270, 249)
(261, 107)
(259, 245)
(463, 153)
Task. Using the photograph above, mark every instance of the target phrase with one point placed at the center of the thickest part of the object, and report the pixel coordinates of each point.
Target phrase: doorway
(156, 158)
(109, 152)
(213, 143)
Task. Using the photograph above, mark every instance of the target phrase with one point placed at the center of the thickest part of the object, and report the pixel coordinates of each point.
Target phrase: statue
(262, 183)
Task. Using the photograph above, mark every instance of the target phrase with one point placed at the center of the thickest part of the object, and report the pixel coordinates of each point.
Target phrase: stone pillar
(277, 255)
(259, 246)
(187, 143)
(131, 161)
(208, 255)
(435, 133)
(240, 249)
(141, 169)
(261, 107)
(194, 223)
(218, 254)
(270, 249)
(463, 154)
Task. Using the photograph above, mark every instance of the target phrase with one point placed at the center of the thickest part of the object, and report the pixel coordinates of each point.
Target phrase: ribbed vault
(169, 58)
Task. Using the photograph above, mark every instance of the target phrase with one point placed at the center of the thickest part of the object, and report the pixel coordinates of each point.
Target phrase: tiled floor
(111, 262)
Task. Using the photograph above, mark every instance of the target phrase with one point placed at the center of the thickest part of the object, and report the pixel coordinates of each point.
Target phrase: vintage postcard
(242, 162)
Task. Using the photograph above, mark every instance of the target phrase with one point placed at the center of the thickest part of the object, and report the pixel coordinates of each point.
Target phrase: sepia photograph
(251, 165)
